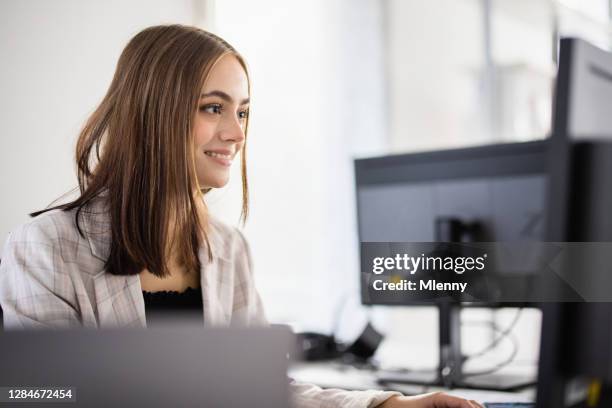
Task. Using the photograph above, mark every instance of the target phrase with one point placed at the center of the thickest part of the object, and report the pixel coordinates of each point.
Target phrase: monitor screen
(500, 188)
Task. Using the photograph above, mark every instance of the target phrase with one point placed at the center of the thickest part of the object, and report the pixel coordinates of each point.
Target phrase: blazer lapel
(217, 306)
(118, 298)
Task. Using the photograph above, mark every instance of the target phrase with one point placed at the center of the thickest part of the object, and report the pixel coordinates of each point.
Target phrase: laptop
(179, 367)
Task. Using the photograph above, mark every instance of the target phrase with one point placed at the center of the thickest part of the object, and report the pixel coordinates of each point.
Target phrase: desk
(336, 375)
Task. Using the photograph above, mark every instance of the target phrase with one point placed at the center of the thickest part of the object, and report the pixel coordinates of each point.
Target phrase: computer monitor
(485, 194)
(535, 191)
(576, 341)
(482, 194)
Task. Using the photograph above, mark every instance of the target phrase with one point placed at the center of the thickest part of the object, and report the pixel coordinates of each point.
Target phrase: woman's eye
(243, 114)
(214, 108)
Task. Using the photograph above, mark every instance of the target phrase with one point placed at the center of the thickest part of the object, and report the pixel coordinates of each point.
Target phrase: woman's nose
(233, 131)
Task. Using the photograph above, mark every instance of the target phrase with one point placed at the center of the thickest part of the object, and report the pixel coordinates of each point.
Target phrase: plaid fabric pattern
(51, 277)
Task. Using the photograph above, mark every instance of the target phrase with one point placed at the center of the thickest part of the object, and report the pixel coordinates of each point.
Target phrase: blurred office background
(332, 81)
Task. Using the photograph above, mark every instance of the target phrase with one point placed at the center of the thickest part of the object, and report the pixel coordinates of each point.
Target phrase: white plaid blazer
(52, 277)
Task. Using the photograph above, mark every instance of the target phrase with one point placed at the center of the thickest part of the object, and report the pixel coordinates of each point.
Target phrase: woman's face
(220, 122)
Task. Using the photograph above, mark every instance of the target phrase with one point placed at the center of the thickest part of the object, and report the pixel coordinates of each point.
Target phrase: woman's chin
(216, 183)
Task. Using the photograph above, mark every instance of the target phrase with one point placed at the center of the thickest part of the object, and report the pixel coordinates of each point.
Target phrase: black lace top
(171, 307)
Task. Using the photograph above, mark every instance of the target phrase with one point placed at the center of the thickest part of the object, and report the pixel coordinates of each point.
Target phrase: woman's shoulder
(53, 225)
(52, 232)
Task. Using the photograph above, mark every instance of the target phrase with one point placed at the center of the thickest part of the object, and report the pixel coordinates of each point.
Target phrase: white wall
(58, 58)
(435, 54)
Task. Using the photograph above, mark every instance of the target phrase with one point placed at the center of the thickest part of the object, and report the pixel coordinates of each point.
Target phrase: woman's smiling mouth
(222, 157)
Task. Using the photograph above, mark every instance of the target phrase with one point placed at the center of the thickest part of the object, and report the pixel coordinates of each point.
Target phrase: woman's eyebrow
(223, 96)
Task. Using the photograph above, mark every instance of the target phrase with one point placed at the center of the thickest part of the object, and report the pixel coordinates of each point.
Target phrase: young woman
(139, 237)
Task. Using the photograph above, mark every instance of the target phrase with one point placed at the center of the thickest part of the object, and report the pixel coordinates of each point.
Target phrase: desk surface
(335, 375)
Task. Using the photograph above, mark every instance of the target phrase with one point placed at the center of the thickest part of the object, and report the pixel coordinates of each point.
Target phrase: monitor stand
(492, 382)
(449, 372)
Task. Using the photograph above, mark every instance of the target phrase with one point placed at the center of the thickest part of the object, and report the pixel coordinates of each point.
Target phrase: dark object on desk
(509, 405)
(364, 347)
(318, 347)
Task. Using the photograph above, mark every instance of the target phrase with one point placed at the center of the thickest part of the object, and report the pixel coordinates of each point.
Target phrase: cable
(501, 365)
(503, 334)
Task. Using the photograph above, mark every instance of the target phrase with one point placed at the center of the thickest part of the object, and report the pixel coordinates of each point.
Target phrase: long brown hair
(136, 150)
